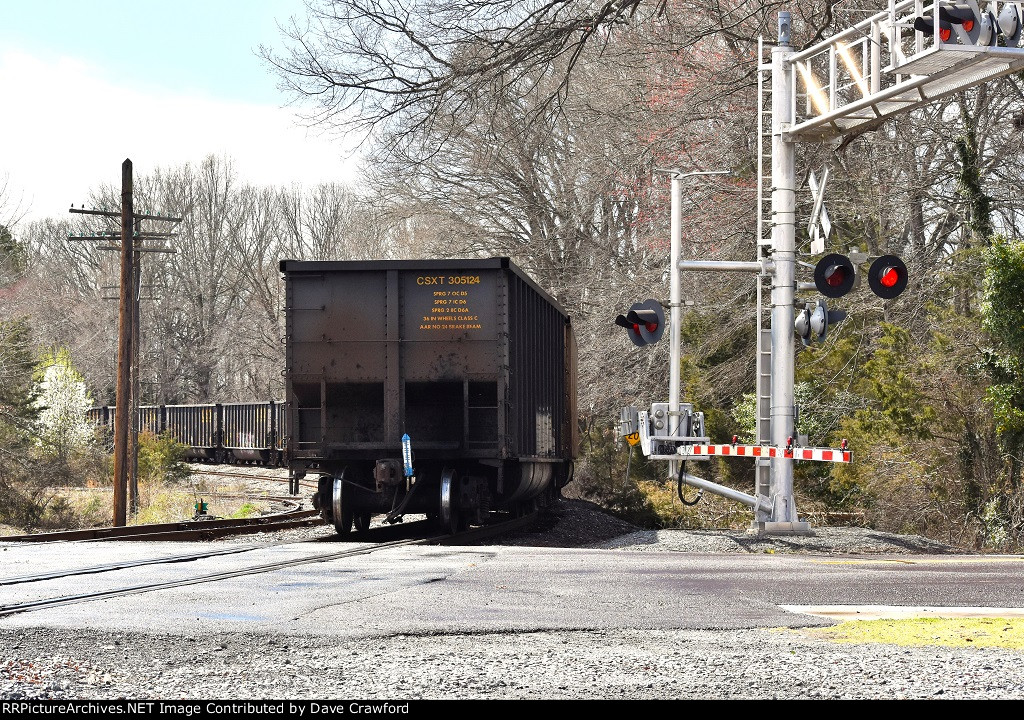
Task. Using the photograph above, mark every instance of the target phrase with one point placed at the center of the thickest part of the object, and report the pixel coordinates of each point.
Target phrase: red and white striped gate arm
(823, 454)
(767, 451)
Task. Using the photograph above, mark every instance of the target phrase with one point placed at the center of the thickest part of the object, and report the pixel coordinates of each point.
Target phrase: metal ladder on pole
(764, 151)
(762, 470)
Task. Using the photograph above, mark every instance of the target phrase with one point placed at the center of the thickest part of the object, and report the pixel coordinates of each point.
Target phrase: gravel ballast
(704, 664)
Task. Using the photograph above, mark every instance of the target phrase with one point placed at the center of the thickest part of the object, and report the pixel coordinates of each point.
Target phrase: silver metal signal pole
(676, 303)
(784, 518)
(675, 313)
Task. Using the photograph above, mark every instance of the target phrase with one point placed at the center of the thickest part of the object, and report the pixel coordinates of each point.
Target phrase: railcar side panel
(246, 431)
(152, 419)
(196, 426)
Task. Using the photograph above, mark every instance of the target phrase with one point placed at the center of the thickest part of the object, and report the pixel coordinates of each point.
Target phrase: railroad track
(467, 537)
(185, 530)
(201, 470)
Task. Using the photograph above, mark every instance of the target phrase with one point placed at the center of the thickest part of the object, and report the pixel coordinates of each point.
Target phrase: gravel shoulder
(590, 665)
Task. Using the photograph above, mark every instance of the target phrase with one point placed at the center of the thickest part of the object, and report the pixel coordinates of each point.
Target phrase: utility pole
(126, 423)
(136, 426)
(125, 315)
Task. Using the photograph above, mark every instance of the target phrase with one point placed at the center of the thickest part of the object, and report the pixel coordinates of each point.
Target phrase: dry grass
(165, 503)
(158, 503)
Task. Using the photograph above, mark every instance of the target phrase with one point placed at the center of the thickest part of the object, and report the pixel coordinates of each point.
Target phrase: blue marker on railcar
(407, 454)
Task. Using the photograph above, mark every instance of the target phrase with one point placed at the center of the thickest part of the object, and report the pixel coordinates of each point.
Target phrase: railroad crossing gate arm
(837, 455)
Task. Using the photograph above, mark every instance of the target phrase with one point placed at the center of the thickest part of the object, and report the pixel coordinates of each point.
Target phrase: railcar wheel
(362, 521)
(341, 507)
(448, 517)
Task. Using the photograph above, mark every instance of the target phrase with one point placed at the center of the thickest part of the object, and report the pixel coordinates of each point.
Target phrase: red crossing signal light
(972, 25)
(834, 275)
(645, 322)
(888, 277)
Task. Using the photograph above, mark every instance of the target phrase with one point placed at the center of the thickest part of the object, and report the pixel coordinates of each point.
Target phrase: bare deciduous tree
(367, 63)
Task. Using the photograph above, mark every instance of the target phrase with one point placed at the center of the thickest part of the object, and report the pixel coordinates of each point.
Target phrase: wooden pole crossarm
(116, 214)
(102, 234)
(138, 249)
(105, 213)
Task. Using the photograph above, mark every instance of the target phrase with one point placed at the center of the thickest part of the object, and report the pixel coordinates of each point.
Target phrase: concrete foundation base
(780, 528)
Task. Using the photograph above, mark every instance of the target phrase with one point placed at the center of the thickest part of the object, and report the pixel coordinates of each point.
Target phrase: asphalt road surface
(432, 589)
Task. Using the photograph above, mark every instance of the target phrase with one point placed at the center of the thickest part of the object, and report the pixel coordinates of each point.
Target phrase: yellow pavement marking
(959, 632)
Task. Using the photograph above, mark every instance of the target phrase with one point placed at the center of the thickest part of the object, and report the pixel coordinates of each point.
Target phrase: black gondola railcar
(101, 416)
(470, 360)
(198, 427)
(247, 432)
(213, 432)
(152, 419)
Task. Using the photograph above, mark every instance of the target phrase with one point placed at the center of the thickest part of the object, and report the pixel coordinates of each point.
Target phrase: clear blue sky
(88, 83)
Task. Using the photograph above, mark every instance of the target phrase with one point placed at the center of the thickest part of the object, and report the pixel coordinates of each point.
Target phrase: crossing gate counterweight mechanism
(664, 435)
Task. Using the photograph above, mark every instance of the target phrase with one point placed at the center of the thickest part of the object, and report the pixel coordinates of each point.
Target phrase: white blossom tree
(62, 402)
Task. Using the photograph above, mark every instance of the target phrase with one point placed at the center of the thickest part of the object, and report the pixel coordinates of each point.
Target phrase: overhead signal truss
(907, 56)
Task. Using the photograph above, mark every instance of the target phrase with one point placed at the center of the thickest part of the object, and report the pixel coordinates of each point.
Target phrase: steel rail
(457, 538)
(203, 528)
(228, 473)
(203, 531)
(126, 564)
(15, 608)
(225, 473)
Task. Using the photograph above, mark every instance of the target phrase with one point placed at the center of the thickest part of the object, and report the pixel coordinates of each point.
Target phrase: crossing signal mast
(902, 58)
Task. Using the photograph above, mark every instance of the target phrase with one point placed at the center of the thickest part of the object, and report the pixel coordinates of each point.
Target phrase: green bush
(161, 459)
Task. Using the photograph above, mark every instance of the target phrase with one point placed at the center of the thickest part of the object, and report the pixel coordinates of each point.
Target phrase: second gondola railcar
(469, 363)
(214, 432)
